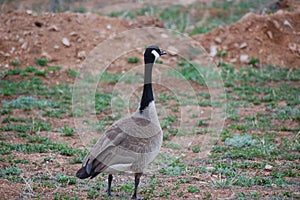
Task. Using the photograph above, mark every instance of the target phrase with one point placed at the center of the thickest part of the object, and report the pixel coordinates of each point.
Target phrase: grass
(67, 131)
(41, 62)
(133, 60)
(191, 19)
(247, 144)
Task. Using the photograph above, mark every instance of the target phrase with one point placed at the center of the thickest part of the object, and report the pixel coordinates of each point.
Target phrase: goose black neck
(147, 91)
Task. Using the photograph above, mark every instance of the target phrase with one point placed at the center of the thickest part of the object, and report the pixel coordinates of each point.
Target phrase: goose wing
(128, 145)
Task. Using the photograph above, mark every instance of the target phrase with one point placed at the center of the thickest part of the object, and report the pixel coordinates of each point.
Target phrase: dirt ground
(65, 39)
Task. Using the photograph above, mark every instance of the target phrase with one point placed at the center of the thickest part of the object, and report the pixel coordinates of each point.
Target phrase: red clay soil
(274, 39)
(25, 37)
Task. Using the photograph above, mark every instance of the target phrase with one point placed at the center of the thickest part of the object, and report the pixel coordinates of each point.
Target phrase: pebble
(46, 55)
(288, 24)
(24, 46)
(53, 28)
(293, 46)
(209, 168)
(269, 167)
(81, 54)
(66, 42)
(243, 45)
(244, 58)
(73, 33)
(233, 60)
(213, 50)
(56, 46)
(163, 35)
(108, 26)
(270, 34)
(173, 51)
(276, 24)
(29, 12)
(218, 40)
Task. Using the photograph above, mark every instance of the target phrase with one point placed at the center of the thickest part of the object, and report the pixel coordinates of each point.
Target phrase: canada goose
(131, 143)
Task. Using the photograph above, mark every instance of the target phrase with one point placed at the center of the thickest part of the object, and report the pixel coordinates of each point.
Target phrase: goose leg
(137, 177)
(110, 178)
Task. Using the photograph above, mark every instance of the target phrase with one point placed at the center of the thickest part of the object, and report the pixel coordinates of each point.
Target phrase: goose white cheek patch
(155, 54)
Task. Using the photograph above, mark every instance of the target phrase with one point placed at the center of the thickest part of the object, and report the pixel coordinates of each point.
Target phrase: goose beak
(162, 52)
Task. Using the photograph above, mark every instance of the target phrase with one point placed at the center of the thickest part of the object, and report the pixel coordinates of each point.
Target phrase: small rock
(21, 40)
(244, 58)
(53, 28)
(218, 40)
(276, 24)
(56, 46)
(213, 50)
(81, 54)
(210, 168)
(29, 12)
(293, 46)
(270, 34)
(6, 66)
(12, 50)
(46, 55)
(163, 35)
(108, 26)
(172, 50)
(73, 33)
(288, 24)
(243, 45)
(233, 60)
(24, 46)
(269, 167)
(66, 42)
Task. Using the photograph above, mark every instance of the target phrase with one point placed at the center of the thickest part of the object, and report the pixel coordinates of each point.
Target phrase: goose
(132, 142)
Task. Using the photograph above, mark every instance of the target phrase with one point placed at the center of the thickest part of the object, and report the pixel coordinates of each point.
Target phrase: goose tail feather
(82, 173)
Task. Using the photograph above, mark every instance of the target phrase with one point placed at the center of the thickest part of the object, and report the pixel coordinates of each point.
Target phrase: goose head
(152, 53)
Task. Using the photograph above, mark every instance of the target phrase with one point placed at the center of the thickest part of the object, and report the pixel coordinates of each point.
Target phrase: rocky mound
(258, 39)
(63, 39)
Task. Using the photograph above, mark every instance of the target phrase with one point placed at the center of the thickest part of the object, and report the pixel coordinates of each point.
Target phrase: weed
(80, 9)
(65, 180)
(109, 78)
(11, 174)
(254, 61)
(67, 131)
(239, 140)
(14, 72)
(41, 61)
(172, 145)
(28, 102)
(15, 63)
(72, 72)
(133, 60)
(193, 189)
